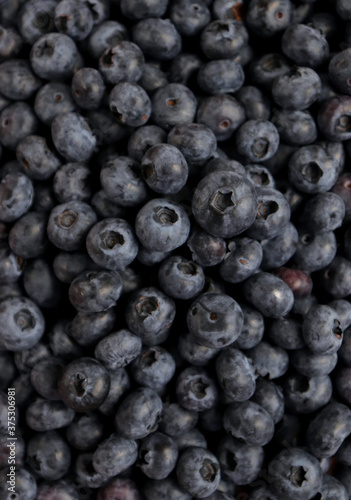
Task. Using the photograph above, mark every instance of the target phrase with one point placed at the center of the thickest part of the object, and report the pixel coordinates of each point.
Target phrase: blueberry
(45, 376)
(130, 104)
(88, 328)
(18, 81)
(144, 138)
(222, 113)
(95, 291)
(193, 352)
(176, 420)
(162, 225)
(339, 71)
(198, 472)
(321, 329)
(235, 375)
(25, 482)
(294, 473)
(240, 463)
(36, 157)
(207, 250)
(297, 89)
(24, 323)
(123, 61)
(138, 414)
(297, 128)
(172, 105)
(118, 349)
(88, 88)
(84, 384)
(154, 367)
(268, 360)
(332, 488)
(114, 455)
(249, 422)
(334, 118)
(61, 344)
(189, 18)
(53, 56)
(35, 18)
(222, 76)
(164, 488)
(41, 459)
(223, 39)
(74, 20)
(215, 320)
(157, 38)
(305, 45)
(104, 36)
(142, 9)
(72, 136)
(267, 19)
(266, 68)
(323, 212)
(270, 396)
(305, 395)
(278, 250)
(196, 142)
(287, 333)
(327, 431)
(257, 105)
(52, 99)
(43, 415)
(180, 278)
(149, 314)
(269, 294)
(196, 390)
(85, 474)
(17, 121)
(153, 78)
(252, 330)
(257, 140)
(224, 204)
(193, 437)
(158, 454)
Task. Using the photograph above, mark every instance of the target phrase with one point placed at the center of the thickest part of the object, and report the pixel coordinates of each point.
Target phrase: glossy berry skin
(333, 118)
(38, 161)
(72, 181)
(122, 181)
(88, 328)
(180, 278)
(328, 429)
(69, 224)
(114, 455)
(88, 88)
(221, 76)
(198, 472)
(322, 330)
(257, 140)
(158, 455)
(297, 89)
(305, 45)
(326, 212)
(138, 414)
(73, 19)
(235, 374)
(16, 196)
(154, 368)
(18, 81)
(222, 113)
(196, 390)
(111, 244)
(223, 39)
(164, 169)
(294, 472)
(165, 46)
(252, 330)
(270, 396)
(269, 294)
(72, 136)
(52, 99)
(23, 323)
(84, 384)
(123, 61)
(53, 56)
(315, 251)
(118, 349)
(215, 320)
(299, 282)
(278, 250)
(95, 291)
(149, 314)
(297, 128)
(268, 360)
(16, 122)
(41, 459)
(196, 142)
(224, 204)
(250, 422)
(242, 260)
(162, 225)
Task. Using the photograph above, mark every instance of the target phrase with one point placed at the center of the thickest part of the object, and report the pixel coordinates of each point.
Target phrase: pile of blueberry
(175, 249)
